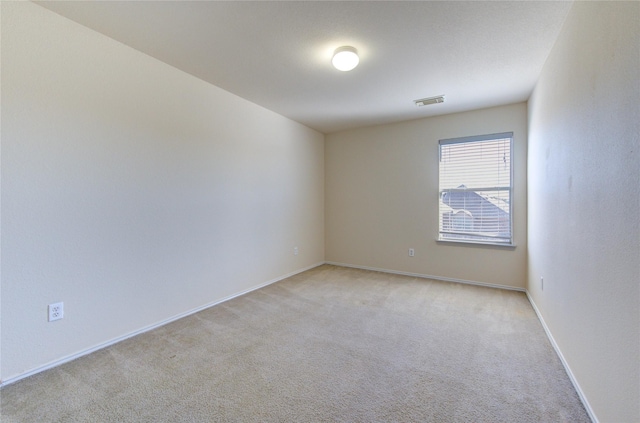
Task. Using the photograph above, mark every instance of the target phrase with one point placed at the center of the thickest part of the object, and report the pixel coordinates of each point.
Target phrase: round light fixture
(345, 58)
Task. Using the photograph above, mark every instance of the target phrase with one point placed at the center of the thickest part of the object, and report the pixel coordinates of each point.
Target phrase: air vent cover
(429, 100)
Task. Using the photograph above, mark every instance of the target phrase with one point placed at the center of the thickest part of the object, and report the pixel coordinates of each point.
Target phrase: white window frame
(475, 237)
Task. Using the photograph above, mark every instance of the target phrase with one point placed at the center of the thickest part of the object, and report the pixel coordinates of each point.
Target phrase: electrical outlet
(412, 252)
(56, 311)
(541, 283)
(295, 251)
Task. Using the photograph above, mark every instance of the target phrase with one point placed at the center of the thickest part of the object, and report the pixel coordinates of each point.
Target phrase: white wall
(382, 198)
(135, 192)
(584, 200)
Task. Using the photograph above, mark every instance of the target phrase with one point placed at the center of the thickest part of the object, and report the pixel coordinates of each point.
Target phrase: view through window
(475, 189)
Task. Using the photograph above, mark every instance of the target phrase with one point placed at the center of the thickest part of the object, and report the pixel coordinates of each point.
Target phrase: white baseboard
(575, 383)
(113, 341)
(421, 275)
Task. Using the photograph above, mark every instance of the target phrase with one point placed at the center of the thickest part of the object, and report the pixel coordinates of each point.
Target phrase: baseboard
(564, 362)
(113, 341)
(424, 276)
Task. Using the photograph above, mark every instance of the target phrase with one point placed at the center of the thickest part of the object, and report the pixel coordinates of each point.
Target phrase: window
(475, 189)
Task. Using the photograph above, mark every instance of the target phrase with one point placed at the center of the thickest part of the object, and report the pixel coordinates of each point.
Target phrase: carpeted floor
(330, 344)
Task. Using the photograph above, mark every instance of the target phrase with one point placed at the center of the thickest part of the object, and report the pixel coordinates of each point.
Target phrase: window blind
(475, 189)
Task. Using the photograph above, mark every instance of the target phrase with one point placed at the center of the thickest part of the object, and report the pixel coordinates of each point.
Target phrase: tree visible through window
(475, 189)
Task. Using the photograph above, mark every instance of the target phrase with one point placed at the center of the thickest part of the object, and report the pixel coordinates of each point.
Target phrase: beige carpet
(330, 344)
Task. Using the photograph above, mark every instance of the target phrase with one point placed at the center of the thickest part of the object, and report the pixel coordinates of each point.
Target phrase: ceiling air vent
(430, 100)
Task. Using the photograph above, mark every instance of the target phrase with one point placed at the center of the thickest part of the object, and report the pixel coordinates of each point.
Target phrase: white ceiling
(278, 54)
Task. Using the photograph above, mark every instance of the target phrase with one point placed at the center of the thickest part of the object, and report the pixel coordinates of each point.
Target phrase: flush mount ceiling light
(429, 100)
(345, 58)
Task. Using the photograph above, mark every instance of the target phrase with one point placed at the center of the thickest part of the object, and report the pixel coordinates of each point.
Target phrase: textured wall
(134, 192)
(584, 197)
(382, 198)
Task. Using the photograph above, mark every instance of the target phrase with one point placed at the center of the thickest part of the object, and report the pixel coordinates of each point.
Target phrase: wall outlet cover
(56, 311)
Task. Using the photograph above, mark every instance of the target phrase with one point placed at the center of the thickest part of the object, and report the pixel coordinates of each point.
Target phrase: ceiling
(278, 54)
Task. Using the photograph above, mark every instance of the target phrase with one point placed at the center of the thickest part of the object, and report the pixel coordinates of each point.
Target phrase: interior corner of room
(137, 193)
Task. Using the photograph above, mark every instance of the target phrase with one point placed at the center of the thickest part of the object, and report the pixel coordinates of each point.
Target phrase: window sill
(476, 243)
